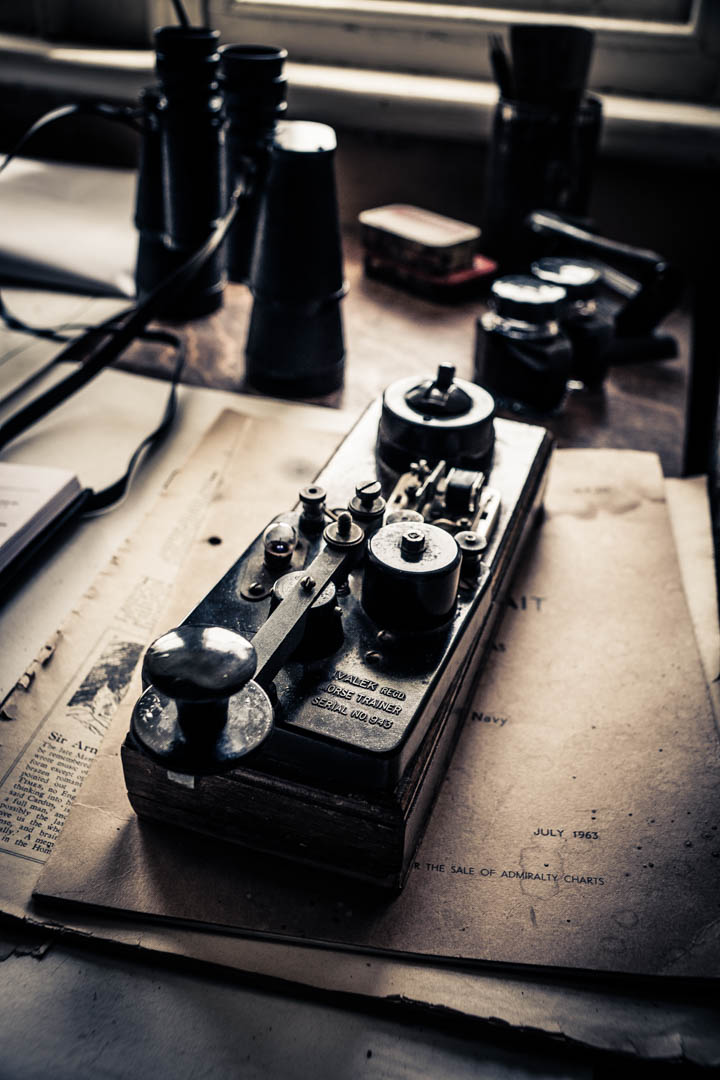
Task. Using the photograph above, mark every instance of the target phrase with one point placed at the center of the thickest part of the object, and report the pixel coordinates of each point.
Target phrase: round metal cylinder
(463, 439)
(411, 577)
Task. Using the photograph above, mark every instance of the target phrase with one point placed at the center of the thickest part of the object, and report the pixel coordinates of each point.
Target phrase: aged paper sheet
(55, 721)
(686, 500)
(576, 827)
(621, 1018)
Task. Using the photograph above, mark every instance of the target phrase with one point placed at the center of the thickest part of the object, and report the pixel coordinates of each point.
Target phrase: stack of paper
(31, 497)
(578, 827)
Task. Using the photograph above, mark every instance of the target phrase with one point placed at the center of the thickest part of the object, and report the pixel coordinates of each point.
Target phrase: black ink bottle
(591, 329)
(521, 354)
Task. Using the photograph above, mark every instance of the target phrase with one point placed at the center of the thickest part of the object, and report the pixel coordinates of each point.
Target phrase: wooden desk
(389, 334)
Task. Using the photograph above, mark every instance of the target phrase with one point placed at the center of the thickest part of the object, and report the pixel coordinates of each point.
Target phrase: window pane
(673, 11)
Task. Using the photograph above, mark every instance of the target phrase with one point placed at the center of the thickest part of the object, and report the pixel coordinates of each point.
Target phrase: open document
(68, 227)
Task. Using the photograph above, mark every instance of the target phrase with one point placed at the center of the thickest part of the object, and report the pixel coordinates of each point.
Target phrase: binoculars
(214, 130)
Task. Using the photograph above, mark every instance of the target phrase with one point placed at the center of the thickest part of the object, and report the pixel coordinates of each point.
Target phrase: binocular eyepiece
(254, 88)
(181, 184)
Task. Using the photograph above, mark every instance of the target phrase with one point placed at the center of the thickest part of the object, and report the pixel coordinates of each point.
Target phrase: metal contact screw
(312, 517)
(313, 493)
(471, 546)
(471, 541)
(344, 533)
(307, 584)
(368, 491)
(412, 542)
(344, 523)
(313, 499)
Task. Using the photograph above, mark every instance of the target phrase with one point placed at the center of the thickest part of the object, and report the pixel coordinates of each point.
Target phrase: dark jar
(521, 355)
(589, 326)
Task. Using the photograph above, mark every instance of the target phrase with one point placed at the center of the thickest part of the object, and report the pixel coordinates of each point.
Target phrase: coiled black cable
(99, 346)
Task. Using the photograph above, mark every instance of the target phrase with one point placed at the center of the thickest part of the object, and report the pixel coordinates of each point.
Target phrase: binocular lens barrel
(295, 344)
(191, 127)
(155, 261)
(254, 89)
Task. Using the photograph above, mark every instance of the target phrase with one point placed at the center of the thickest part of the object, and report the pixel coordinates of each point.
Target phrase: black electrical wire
(49, 333)
(53, 333)
(122, 114)
(110, 496)
(117, 333)
(107, 340)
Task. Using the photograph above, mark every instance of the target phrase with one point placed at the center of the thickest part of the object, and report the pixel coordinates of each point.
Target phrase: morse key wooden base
(309, 705)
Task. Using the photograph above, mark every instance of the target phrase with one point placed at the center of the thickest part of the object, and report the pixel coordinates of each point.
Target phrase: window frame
(373, 93)
(664, 60)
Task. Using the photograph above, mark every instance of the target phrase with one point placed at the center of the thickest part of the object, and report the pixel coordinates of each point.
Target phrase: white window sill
(426, 106)
(462, 109)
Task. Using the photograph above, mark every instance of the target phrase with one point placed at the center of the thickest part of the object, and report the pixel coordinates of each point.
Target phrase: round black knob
(200, 663)
(202, 712)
